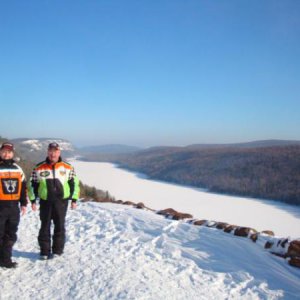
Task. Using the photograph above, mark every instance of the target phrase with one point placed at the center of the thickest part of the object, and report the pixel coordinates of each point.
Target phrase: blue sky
(150, 73)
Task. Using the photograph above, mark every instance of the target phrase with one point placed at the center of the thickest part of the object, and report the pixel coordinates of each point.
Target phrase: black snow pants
(52, 211)
(9, 221)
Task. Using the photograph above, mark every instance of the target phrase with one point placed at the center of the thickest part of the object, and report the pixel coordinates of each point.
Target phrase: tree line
(269, 173)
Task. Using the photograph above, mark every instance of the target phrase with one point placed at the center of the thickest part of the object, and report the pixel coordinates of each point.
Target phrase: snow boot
(46, 257)
(8, 264)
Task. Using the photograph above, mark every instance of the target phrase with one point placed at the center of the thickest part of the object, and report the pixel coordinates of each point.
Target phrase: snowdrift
(119, 252)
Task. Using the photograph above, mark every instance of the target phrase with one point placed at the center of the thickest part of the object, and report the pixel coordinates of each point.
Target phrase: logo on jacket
(45, 173)
(62, 172)
(10, 186)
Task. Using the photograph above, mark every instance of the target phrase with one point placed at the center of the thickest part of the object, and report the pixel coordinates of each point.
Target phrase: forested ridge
(269, 173)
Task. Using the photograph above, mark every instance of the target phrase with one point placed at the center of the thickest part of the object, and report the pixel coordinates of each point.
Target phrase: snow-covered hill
(42, 144)
(36, 149)
(119, 252)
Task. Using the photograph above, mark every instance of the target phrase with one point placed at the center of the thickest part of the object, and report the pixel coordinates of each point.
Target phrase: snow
(37, 145)
(283, 219)
(119, 252)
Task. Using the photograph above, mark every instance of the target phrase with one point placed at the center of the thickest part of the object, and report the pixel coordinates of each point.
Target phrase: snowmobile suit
(12, 193)
(54, 185)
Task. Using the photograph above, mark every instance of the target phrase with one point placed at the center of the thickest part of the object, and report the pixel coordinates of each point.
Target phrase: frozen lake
(283, 219)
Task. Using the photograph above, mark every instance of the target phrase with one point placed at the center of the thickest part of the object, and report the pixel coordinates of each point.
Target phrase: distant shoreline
(203, 189)
(127, 185)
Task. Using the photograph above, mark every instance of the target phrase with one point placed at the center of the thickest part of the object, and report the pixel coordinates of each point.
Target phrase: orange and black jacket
(12, 183)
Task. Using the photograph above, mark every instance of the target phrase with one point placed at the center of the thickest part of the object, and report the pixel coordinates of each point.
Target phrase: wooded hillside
(270, 173)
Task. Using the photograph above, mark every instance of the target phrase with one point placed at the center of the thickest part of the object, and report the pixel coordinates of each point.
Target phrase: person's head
(53, 152)
(7, 151)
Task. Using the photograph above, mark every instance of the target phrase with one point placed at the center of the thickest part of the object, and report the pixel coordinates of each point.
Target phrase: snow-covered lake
(283, 219)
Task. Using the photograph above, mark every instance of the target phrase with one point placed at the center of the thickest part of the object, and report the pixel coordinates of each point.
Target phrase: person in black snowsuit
(12, 193)
(53, 182)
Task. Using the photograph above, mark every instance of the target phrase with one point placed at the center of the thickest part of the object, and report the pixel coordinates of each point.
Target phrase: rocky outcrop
(295, 262)
(140, 205)
(128, 203)
(268, 232)
(222, 225)
(200, 222)
(230, 228)
(244, 231)
(173, 214)
(294, 249)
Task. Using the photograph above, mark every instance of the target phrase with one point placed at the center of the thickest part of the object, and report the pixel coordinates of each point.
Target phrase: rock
(229, 228)
(294, 249)
(268, 245)
(173, 214)
(295, 262)
(200, 222)
(221, 225)
(243, 231)
(104, 200)
(268, 232)
(167, 212)
(181, 216)
(254, 237)
(140, 205)
(128, 203)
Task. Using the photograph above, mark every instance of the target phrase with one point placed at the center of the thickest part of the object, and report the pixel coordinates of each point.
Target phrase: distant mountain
(111, 148)
(254, 144)
(36, 149)
(2, 140)
(264, 171)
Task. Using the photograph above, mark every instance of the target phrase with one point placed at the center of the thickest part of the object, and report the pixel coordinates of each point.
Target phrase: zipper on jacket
(53, 172)
(11, 196)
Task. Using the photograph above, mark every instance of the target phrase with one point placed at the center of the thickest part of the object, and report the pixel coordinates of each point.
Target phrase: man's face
(6, 154)
(53, 155)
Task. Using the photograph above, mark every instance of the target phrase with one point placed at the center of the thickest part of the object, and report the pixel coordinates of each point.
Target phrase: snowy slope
(118, 252)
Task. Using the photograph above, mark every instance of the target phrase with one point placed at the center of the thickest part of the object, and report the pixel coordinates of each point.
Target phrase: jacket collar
(49, 163)
(7, 162)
